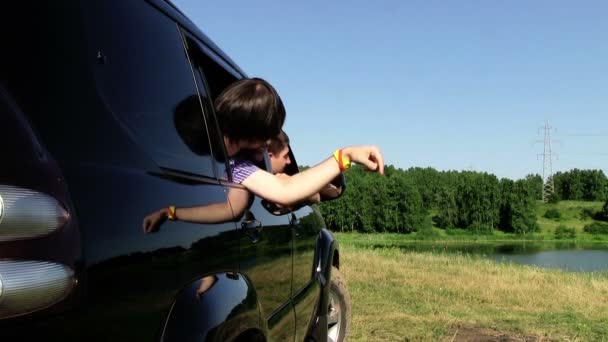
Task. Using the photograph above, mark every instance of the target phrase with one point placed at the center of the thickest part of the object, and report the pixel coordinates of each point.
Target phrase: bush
(563, 232)
(587, 213)
(554, 198)
(427, 234)
(457, 232)
(553, 214)
(602, 215)
(596, 228)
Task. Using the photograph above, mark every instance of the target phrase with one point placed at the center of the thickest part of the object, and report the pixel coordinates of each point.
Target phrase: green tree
(587, 185)
(507, 196)
(407, 211)
(518, 207)
(594, 185)
(447, 216)
(535, 182)
(477, 199)
(400, 202)
(524, 209)
(428, 182)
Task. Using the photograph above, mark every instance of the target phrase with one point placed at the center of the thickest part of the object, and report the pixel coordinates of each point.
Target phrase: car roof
(173, 11)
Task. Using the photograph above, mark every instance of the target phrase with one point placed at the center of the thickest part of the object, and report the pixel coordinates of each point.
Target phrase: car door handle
(253, 229)
(295, 223)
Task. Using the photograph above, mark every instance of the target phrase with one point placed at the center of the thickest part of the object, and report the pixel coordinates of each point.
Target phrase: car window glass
(210, 88)
(144, 76)
(215, 75)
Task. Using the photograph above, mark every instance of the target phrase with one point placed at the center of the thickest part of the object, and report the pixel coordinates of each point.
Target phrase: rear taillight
(1, 208)
(30, 285)
(26, 214)
(27, 286)
(40, 246)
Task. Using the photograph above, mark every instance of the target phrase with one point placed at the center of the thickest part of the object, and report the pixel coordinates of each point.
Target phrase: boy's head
(278, 152)
(249, 112)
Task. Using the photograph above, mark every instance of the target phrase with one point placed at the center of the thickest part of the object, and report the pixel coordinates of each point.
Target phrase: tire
(339, 308)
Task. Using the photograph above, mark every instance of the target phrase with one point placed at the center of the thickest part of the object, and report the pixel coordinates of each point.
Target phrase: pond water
(577, 257)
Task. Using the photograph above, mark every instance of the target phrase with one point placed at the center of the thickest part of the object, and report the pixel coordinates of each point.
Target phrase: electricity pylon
(548, 187)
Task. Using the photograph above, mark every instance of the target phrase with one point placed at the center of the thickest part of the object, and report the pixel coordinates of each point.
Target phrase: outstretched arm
(234, 207)
(287, 191)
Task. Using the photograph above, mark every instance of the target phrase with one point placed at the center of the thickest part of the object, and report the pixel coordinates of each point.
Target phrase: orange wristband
(343, 162)
(171, 213)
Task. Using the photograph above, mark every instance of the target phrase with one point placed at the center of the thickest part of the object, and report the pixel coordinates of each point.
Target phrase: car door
(305, 222)
(266, 259)
(265, 238)
(145, 159)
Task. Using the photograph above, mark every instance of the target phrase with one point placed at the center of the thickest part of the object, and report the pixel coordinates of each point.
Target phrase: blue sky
(454, 85)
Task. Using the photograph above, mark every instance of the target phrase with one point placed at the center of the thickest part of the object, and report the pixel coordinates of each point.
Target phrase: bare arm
(234, 207)
(301, 186)
(315, 198)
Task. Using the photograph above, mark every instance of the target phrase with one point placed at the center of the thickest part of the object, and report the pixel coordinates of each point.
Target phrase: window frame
(99, 40)
(199, 47)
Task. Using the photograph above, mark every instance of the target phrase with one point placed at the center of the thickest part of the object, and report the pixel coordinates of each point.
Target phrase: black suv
(94, 136)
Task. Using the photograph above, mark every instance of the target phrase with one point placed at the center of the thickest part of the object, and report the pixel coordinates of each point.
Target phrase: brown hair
(278, 143)
(250, 109)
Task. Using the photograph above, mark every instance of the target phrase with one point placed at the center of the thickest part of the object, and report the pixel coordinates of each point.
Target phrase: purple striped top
(241, 169)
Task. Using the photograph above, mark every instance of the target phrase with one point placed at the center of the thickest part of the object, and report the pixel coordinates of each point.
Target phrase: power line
(585, 135)
(601, 154)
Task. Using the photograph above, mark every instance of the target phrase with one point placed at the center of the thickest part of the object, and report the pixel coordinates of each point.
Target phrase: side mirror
(334, 189)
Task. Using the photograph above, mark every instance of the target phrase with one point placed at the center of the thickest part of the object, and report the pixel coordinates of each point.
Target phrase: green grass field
(570, 212)
(402, 295)
(412, 296)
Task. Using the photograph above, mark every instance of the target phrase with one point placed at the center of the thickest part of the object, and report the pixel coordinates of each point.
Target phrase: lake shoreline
(568, 255)
(439, 236)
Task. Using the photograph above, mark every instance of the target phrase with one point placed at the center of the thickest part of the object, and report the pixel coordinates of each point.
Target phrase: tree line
(415, 199)
(581, 185)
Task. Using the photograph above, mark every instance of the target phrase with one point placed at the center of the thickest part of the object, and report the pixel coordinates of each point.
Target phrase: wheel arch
(226, 309)
(327, 255)
(336, 258)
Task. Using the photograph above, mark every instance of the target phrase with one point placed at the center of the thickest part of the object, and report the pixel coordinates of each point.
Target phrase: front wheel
(339, 308)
